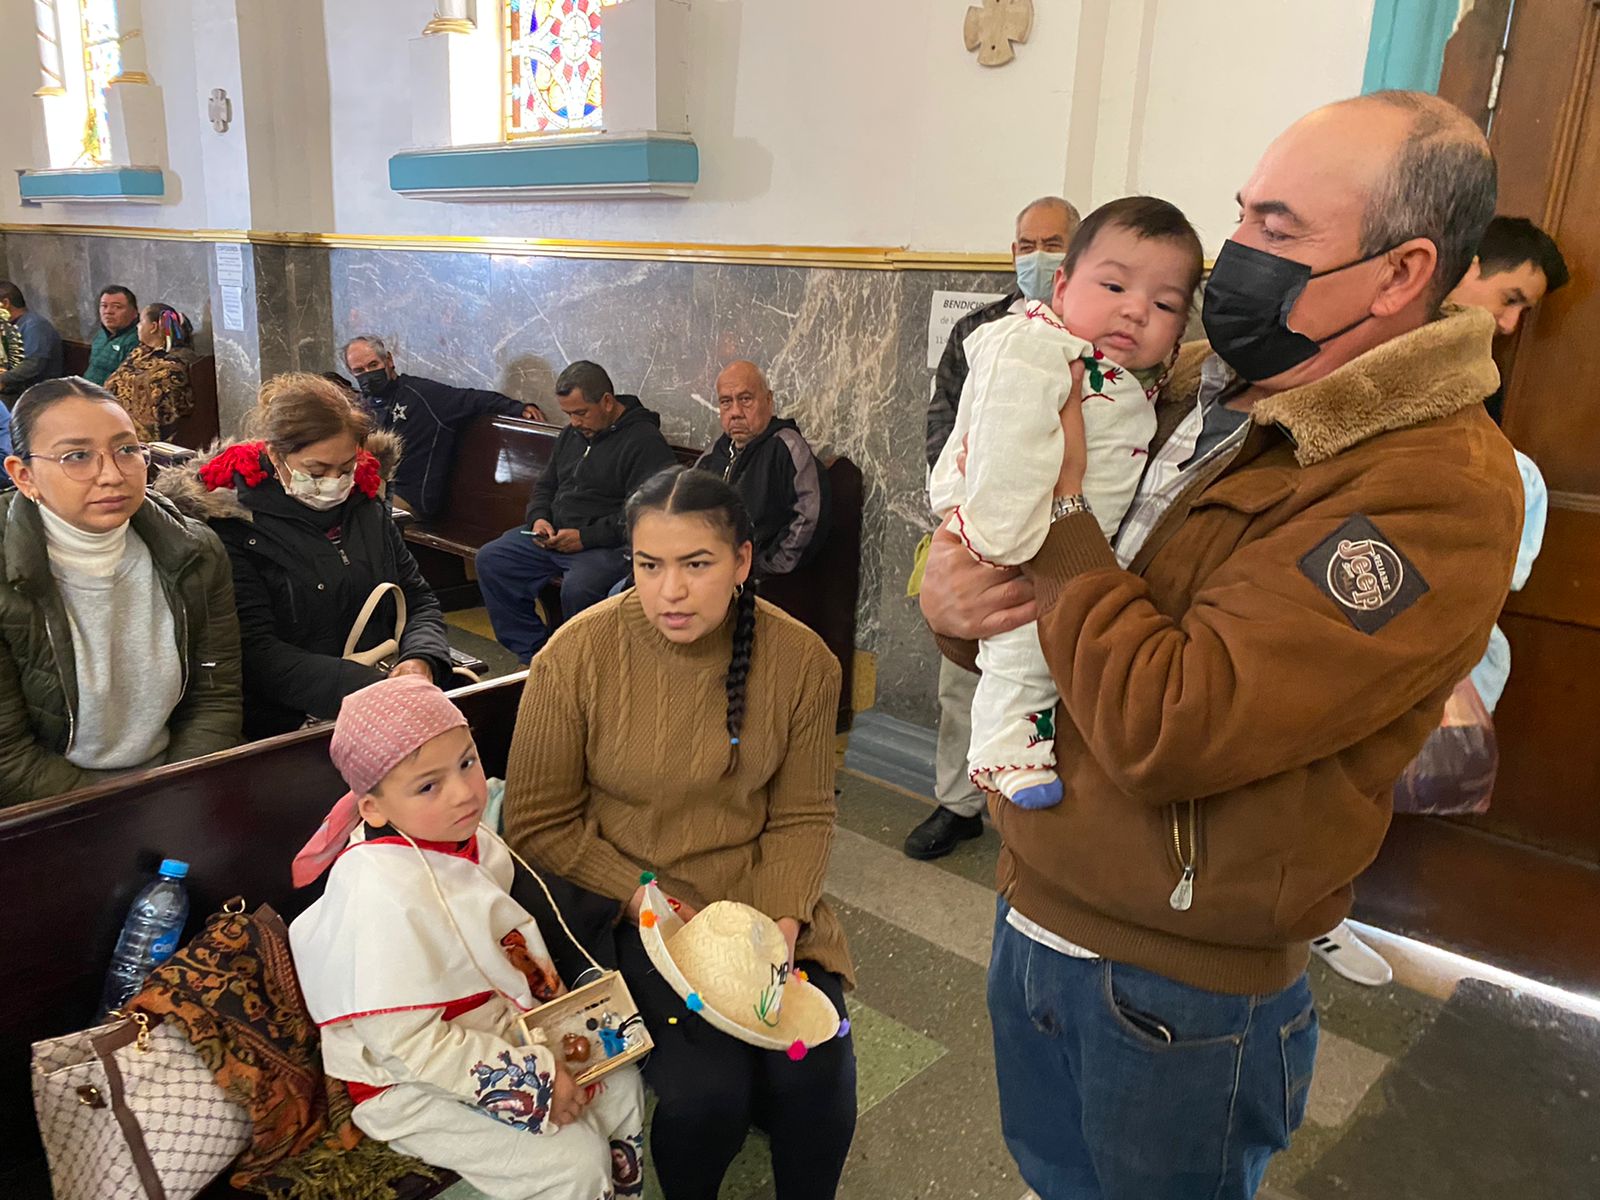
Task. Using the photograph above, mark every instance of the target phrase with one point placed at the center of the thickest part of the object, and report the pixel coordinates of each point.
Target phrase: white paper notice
(948, 308)
(233, 307)
(230, 265)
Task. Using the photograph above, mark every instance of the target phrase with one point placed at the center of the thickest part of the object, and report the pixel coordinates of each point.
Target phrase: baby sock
(1029, 788)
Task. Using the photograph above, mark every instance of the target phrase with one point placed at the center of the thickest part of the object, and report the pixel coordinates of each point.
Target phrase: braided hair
(682, 491)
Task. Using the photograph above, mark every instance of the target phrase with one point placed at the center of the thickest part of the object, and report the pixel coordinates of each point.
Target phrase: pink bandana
(378, 727)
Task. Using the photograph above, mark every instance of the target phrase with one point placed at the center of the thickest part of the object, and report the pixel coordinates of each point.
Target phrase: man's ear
(367, 806)
(1413, 265)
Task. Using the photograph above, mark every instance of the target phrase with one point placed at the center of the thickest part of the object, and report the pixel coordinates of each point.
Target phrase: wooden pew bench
(201, 425)
(499, 458)
(73, 863)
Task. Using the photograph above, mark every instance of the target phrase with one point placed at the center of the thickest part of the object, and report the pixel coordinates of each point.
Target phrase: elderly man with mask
(1318, 550)
(426, 414)
(1043, 230)
(772, 467)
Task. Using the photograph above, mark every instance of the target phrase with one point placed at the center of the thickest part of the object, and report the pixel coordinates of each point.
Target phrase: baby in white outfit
(1120, 303)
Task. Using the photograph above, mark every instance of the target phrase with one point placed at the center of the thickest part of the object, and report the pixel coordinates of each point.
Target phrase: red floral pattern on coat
(244, 460)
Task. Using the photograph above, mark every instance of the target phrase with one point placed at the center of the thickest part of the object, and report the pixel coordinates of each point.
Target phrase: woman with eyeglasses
(119, 646)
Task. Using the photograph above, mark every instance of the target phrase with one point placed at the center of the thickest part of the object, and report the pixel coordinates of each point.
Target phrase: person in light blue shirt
(1490, 675)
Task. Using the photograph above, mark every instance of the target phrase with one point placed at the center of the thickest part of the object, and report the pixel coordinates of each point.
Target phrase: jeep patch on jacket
(1363, 573)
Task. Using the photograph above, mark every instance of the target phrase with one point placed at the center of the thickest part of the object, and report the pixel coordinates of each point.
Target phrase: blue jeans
(513, 568)
(1118, 1084)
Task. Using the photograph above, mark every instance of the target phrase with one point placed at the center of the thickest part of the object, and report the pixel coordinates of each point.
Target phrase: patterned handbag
(128, 1111)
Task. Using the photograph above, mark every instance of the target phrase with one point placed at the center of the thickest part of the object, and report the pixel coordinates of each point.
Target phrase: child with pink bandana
(418, 1002)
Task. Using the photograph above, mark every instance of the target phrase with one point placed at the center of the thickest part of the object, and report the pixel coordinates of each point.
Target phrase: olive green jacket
(38, 668)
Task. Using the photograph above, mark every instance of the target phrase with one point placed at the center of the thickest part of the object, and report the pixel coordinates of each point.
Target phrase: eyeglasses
(82, 466)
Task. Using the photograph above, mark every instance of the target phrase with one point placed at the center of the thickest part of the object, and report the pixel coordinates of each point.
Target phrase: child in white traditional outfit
(1120, 303)
(417, 1002)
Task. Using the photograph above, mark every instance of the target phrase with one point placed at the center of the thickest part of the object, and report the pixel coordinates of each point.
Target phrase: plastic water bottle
(149, 935)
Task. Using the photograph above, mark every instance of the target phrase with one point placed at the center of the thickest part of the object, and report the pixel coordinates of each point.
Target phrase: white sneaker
(1347, 954)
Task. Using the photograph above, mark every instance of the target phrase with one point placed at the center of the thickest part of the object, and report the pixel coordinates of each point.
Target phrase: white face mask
(320, 494)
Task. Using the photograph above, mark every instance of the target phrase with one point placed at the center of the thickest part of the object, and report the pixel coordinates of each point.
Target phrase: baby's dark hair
(680, 491)
(1145, 217)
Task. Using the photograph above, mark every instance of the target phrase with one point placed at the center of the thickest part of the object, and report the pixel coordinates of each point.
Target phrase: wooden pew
(201, 425)
(498, 459)
(73, 863)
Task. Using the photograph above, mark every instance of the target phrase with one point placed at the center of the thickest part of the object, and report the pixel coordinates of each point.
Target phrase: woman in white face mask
(118, 644)
(301, 510)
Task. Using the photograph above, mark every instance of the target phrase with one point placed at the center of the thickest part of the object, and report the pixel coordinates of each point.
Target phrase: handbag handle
(367, 609)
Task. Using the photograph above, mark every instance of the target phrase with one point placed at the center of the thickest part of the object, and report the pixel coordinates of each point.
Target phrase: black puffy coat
(300, 578)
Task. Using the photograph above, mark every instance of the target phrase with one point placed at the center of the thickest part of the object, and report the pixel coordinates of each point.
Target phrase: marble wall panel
(5, 262)
(53, 273)
(62, 278)
(294, 295)
(845, 351)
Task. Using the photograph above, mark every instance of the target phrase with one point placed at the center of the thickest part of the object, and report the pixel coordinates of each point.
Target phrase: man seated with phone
(574, 526)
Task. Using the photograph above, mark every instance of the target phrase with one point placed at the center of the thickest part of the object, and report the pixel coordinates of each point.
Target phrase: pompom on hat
(730, 965)
(378, 728)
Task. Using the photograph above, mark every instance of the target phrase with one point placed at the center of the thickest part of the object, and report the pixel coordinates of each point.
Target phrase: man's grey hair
(1057, 203)
(378, 345)
(1441, 186)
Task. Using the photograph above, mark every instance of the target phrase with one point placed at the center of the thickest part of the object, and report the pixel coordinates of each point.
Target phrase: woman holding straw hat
(677, 741)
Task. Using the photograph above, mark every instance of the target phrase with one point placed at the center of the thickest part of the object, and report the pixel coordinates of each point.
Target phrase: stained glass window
(552, 66)
(102, 62)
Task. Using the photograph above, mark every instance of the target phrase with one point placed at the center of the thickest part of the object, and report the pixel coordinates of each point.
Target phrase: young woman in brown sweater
(686, 728)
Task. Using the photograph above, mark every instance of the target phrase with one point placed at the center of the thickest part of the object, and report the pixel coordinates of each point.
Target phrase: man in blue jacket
(41, 345)
(574, 526)
(426, 415)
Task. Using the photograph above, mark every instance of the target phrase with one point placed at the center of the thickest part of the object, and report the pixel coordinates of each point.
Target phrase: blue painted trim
(108, 183)
(1406, 46)
(533, 164)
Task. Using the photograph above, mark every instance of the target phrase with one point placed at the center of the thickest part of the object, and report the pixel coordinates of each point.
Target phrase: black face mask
(1246, 310)
(373, 383)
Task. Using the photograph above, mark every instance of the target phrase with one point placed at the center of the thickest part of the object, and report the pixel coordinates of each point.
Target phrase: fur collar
(1433, 371)
(213, 494)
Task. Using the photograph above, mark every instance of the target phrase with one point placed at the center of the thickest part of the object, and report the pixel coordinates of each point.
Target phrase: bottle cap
(173, 868)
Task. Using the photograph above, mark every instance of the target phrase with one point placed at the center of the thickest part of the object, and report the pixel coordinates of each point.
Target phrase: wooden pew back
(72, 864)
(201, 425)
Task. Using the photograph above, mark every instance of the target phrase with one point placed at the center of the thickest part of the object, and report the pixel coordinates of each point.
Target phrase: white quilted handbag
(128, 1111)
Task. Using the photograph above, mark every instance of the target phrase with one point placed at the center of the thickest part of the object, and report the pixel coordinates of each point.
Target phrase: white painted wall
(830, 122)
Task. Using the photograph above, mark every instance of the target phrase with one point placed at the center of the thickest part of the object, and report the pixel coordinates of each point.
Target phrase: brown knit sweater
(618, 758)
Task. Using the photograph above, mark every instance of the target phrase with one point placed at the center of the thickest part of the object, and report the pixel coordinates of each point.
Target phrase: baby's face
(1128, 295)
(436, 795)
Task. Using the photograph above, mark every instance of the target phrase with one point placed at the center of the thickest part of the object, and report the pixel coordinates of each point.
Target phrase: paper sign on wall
(230, 282)
(233, 307)
(947, 309)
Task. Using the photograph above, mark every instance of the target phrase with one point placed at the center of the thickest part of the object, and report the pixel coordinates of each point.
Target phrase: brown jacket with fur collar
(1242, 700)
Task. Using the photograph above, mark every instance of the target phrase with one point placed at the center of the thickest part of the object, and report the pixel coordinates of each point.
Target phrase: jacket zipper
(55, 652)
(1182, 897)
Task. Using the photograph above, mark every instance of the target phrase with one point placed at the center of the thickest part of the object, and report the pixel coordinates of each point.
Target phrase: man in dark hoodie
(772, 467)
(426, 415)
(574, 527)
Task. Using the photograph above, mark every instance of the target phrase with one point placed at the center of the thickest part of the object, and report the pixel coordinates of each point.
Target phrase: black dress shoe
(938, 835)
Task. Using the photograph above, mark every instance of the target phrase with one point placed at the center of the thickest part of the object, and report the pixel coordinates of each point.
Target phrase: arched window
(80, 53)
(102, 62)
(552, 66)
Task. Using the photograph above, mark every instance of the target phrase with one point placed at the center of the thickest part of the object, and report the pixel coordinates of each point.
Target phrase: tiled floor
(929, 1124)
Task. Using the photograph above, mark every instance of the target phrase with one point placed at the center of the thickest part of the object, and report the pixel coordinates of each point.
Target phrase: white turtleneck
(124, 642)
(74, 549)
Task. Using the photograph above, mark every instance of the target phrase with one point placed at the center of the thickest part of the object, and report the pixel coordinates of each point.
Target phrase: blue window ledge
(92, 184)
(556, 167)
